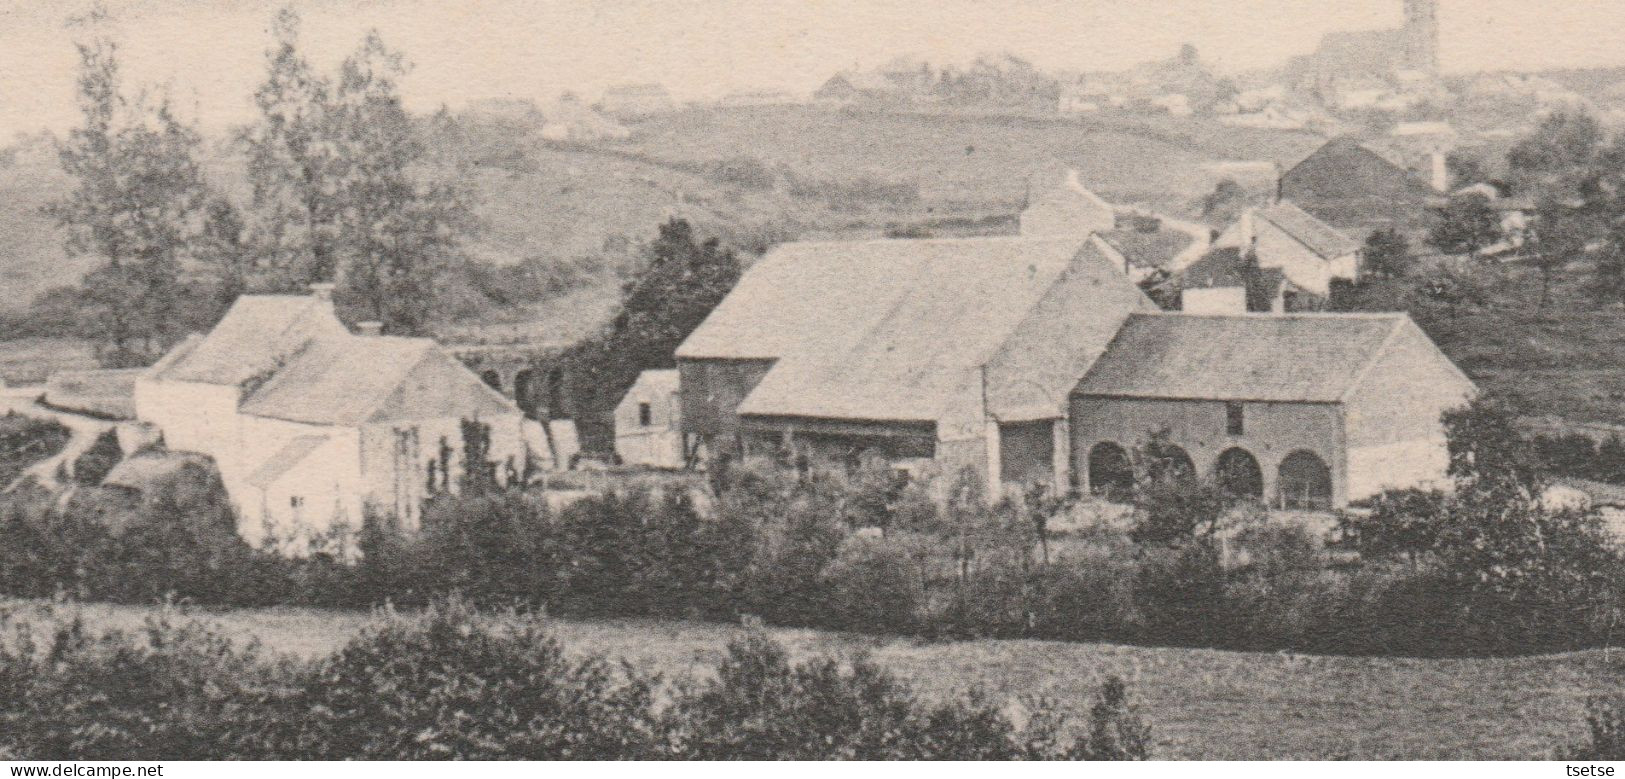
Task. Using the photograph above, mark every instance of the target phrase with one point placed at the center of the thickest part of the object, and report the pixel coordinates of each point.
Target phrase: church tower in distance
(1422, 35)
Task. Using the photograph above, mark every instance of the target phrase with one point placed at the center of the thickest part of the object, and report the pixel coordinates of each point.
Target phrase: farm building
(648, 422)
(311, 425)
(1226, 281)
(1141, 252)
(1309, 252)
(938, 354)
(1356, 190)
(1308, 411)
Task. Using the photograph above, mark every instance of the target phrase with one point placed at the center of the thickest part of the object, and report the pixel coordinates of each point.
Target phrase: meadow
(1201, 703)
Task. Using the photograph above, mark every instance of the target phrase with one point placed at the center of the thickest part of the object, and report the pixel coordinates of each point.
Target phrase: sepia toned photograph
(872, 380)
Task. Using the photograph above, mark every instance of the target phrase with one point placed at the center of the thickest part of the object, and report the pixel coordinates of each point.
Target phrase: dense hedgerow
(455, 683)
(1485, 569)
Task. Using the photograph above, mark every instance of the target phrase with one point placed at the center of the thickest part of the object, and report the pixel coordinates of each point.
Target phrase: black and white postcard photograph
(811, 380)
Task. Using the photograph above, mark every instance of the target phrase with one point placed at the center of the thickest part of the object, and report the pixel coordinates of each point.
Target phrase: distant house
(108, 393)
(1069, 209)
(648, 422)
(1227, 281)
(311, 426)
(1303, 411)
(636, 101)
(1357, 190)
(933, 354)
(1307, 250)
(849, 87)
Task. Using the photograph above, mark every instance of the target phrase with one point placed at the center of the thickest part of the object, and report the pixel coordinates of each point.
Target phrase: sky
(210, 54)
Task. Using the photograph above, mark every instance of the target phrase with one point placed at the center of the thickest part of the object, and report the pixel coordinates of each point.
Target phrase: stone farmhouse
(311, 425)
(1038, 359)
(1308, 410)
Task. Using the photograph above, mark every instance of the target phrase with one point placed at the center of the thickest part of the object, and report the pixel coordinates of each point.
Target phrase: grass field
(1202, 703)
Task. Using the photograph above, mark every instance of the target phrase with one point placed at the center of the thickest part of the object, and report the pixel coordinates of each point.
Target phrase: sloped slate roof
(254, 334)
(822, 295)
(1149, 250)
(285, 459)
(1314, 358)
(1324, 240)
(351, 380)
(1223, 267)
(924, 354)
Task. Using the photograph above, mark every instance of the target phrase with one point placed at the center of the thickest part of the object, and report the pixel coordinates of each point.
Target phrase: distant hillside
(752, 175)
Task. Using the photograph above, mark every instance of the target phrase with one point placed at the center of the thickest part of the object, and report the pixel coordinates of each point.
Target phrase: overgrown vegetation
(24, 441)
(454, 683)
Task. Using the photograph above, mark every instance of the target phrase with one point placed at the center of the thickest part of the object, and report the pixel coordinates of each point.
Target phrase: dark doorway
(1305, 482)
(1238, 474)
(1111, 475)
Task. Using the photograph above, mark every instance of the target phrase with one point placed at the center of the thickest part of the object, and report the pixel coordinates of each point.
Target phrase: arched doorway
(493, 379)
(524, 391)
(1305, 482)
(1111, 476)
(1238, 474)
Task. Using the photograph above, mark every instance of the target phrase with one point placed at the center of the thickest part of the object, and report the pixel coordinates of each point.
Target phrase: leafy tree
(397, 234)
(1387, 255)
(1465, 225)
(138, 191)
(1557, 240)
(1563, 144)
(1486, 446)
(683, 278)
(223, 251)
(292, 165)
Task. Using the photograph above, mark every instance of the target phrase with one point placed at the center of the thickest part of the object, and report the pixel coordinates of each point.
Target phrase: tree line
(340, 192)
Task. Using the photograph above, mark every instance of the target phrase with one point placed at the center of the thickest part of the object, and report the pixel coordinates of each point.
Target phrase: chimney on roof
(369, 328)
(323, 291)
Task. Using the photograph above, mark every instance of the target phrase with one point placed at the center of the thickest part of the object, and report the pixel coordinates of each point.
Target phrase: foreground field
(1202, 703)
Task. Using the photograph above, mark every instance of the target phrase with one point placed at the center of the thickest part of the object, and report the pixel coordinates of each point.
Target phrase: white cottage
(1307, 250)
(648, 427)
(310, 425)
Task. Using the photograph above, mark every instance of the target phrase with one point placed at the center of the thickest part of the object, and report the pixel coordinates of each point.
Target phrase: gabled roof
(924, 354)
(1312, 358)
(1219, 268)
(353, 380)
(290, 455)
(654, 383)
(257, 332)
(1150, 250)
(1325, 241)
(820, 295)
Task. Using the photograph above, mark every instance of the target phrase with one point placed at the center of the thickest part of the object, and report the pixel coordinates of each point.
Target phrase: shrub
(453, 684)
(760, 707)
(1605, 721)
(875, 585)
(25, 441)
(175, 690)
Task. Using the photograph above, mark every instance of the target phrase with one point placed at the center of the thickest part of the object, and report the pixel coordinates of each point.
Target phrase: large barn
(1308, 411)
(942, 353)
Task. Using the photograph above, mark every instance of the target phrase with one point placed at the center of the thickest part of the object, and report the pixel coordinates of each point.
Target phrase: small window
(296, 501)
(1234, 419)
(646, 415)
